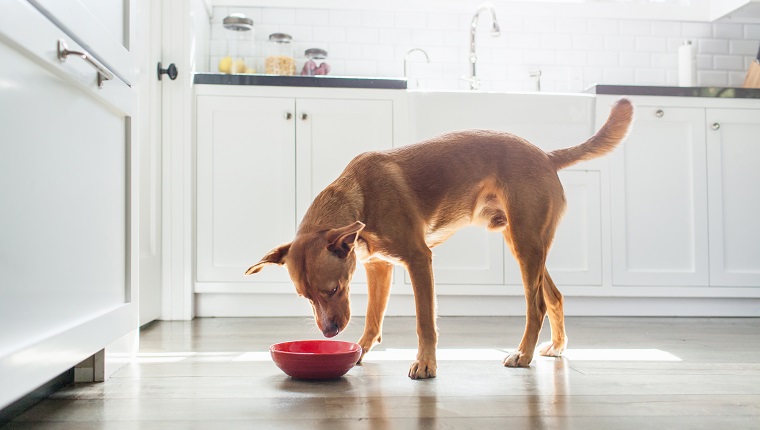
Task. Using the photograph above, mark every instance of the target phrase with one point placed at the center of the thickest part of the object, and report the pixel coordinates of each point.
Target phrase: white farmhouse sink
(547, 120)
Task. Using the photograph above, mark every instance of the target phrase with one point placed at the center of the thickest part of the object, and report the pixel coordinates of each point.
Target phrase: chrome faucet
(406, 58)
(495, 32)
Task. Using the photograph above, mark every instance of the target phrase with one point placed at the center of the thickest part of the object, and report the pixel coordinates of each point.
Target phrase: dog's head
(321, 265)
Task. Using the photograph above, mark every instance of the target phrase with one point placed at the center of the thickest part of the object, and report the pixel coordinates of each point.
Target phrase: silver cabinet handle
(288, 116)
(716, 126)
(304, 116)
(103, 73)
(659, 113)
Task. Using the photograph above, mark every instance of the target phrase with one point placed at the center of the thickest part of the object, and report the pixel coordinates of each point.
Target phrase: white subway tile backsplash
(752, 31)
(588, 42)
(743, 47)
(380, 19)
(668, 60)
(329, 34)
(618, 75)
(727, 31)
(712, 46)
(312, 16)
(712, 77)
(635, 59)
(649, 76)
(345, 18)
(555, 41)
(620, 43)
(603, 26)
(728, 62)
(278, 16)
(572, 52)
(665, 28)
(427, 37)
(410, 20)
(572, 26)
(696, 30)
(635, 27)
(444, 21)
(365, 35)
(652, 44)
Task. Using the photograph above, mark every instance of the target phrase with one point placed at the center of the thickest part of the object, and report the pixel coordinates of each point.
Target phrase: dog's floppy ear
(341, 240)
(275, 256)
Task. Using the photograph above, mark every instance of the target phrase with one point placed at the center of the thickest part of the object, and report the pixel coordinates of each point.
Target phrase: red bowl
(315, 359)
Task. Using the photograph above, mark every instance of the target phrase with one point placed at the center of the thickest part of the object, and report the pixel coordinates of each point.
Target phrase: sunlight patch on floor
(392, 354)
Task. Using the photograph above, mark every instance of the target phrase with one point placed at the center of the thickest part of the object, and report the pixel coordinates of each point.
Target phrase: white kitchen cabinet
(733, 180)
(69, 258)
(659, 199)
(261, 162)
(246, 184)
(682, 195)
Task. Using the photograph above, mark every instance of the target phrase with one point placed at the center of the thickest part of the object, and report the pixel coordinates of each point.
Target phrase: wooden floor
(619, 373)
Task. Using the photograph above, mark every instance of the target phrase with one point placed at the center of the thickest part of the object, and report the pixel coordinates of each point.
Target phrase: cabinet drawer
(100, 26)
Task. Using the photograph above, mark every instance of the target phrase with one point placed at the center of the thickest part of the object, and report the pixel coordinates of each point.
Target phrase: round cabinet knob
(304, 116)
(716, 126)
(659, 113)
(288, 115)
(170, 71)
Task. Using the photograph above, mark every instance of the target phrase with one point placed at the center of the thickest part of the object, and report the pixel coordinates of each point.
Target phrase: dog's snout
(331, 330)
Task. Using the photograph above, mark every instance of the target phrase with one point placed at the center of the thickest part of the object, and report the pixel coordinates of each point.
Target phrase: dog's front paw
(518, 359)
(366, 346)
(423, 369)
(549, 349)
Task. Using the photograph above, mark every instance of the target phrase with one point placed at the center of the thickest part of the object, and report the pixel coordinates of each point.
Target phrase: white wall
(572, 52)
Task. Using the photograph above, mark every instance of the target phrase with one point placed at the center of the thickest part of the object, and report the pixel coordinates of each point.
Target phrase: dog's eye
(332, 292)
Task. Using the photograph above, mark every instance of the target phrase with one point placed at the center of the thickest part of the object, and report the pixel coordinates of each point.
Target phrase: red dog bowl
(315, 359)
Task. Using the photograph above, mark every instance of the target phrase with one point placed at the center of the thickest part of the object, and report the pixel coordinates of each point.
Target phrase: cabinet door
(576, 254)
(733, 177)
(659, 200)
(68, 206)
(329, 134)
(246, 185)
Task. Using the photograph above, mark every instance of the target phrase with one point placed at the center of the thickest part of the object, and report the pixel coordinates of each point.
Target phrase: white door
(246, 185)
(149, 128)
(329, 134)
(733, 157)
(659, 200)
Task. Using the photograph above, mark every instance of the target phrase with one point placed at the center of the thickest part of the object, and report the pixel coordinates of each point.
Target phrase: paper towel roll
(687, 65)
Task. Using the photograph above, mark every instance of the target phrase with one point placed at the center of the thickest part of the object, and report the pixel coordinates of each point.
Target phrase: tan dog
(391, 207)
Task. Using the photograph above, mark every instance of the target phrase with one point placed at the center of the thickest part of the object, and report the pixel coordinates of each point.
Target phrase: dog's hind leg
(531, 257)
(555, 307)
(378, 289)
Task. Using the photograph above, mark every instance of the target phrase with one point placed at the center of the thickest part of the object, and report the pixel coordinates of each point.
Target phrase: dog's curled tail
(614, 130)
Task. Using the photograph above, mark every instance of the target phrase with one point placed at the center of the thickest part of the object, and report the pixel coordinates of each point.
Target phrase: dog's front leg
(378, 289)
(420, 269)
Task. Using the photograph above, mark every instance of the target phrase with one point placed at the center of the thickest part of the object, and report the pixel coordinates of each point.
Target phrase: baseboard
(13, 410)
(273, 305)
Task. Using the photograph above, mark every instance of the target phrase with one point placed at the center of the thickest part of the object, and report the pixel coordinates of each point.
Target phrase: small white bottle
(687, 65)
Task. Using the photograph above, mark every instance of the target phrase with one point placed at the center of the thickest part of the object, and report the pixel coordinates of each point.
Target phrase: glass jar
(278, 57)
(311, 66)
(240, 45)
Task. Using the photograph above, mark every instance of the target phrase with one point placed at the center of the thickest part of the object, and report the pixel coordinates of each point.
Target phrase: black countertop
(644, 90)
(300, 81)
